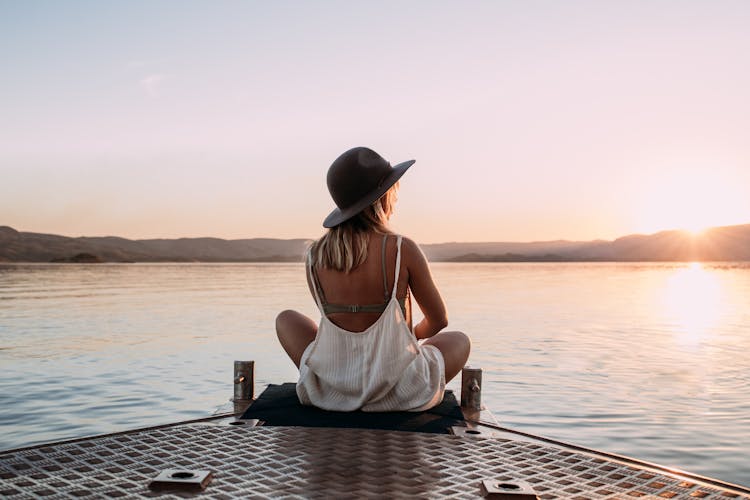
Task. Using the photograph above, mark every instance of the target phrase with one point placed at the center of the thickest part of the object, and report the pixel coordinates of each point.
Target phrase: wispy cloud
(151, 84)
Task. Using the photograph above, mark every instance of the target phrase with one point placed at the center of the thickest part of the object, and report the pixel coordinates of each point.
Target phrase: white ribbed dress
(380, 369)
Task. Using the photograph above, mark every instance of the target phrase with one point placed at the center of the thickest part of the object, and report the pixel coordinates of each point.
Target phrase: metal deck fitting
(272, 462)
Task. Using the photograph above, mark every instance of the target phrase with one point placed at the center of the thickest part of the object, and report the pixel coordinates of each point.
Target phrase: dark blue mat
(279, 406)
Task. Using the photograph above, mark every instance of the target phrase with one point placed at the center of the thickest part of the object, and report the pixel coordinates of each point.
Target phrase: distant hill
(18, 246)
(727, 243)
(502, 250)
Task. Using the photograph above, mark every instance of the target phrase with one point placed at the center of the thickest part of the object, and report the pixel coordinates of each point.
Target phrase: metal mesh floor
(257, 462)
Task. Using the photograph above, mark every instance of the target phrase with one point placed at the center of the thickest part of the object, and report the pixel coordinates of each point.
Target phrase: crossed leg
(455, 348)
(295, 331)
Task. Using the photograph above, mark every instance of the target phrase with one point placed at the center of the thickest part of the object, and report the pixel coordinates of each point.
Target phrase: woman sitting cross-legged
(364, 355)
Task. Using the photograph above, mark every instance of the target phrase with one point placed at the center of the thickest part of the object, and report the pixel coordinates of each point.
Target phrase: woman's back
(364, 285)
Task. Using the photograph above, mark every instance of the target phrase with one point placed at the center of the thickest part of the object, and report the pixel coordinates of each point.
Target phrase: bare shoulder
(412, 253)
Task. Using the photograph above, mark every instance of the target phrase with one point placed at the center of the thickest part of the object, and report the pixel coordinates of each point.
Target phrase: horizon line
(683, 230)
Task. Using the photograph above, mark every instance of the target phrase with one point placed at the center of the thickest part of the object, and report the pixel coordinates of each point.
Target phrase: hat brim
(338, 216)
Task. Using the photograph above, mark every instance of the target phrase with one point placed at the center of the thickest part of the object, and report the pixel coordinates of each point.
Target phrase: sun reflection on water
(693, 301)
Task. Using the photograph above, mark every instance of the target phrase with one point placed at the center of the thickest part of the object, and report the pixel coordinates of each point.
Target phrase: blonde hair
(344, 247)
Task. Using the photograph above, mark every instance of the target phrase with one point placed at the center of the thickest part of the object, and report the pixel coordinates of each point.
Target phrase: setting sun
(695, 230)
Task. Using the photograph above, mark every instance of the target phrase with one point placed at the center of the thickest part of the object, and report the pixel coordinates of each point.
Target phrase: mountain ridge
(722, 243)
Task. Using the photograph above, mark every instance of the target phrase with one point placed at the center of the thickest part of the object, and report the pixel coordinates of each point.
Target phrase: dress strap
(313, 279)
(398, 265)
(385, 275)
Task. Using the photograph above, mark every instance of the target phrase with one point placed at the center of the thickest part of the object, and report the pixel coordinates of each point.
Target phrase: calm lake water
(646, 360)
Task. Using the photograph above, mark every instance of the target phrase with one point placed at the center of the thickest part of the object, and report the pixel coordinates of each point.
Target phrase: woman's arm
(425, 292)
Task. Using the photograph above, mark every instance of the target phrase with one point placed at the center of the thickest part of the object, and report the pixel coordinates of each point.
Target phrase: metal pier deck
(262, 462)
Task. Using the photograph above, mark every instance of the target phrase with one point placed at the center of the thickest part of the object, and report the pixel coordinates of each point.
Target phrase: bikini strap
(398, 265)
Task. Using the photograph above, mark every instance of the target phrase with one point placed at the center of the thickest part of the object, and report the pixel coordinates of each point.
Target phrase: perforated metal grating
(301, 462)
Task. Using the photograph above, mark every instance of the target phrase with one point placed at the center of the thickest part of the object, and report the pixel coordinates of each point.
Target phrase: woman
(364, 355)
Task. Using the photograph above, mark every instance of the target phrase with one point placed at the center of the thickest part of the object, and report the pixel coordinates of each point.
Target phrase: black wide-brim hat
(357, 179)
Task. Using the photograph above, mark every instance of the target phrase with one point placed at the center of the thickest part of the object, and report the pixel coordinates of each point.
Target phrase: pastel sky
(529, 120)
